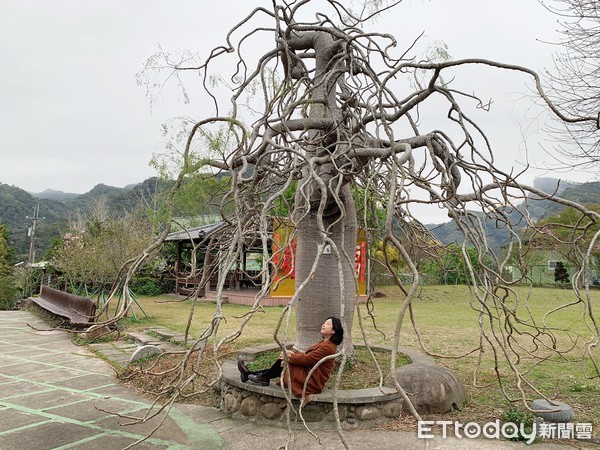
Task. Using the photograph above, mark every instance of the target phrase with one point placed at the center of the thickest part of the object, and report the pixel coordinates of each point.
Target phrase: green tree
(451, 266)
(570, 233)
(561, 274)
(8, 289)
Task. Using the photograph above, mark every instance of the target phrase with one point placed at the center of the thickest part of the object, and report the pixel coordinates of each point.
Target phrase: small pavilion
(243, 282)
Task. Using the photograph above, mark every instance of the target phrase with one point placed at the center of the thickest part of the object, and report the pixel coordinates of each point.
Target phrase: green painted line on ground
(99, 387)
(25, 394)
(65, 404)
(199, 434)
(71, 390)
(126, 412)
(62, 419)
(56, 365)
(25, 427)
(82, 441)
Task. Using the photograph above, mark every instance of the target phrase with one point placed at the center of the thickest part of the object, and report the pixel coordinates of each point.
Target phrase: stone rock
(145, 351)
(432, 389)
(367, 413)
(311, 412)
(249, 406)
(392, 409)
(330, 415)
(96, 333)
(561, 412)
(270, 410)
(162, 333)
(231, 403)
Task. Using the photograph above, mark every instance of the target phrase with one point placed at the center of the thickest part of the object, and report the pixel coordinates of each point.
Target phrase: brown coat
(300, 364)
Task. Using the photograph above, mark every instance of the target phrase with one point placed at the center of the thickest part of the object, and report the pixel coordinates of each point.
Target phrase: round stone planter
(552, 412)
(439, 391)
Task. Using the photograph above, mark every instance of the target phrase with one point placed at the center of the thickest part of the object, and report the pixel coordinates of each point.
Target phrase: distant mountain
(497, 235)
(55, 207)
(51, 194)
(15, 207)
(552, 185)
(583, 193)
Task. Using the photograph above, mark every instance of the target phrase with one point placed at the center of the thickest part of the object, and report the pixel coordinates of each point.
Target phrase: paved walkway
(55, 395)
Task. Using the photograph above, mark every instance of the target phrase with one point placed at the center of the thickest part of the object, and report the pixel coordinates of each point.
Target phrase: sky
(72, 115)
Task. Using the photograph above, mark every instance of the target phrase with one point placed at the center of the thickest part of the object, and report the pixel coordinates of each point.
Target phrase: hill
(56, 207)
(497, 235)
(15, 205)
(51, 194)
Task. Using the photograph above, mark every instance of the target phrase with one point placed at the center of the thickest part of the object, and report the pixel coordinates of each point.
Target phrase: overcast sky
(72, 115)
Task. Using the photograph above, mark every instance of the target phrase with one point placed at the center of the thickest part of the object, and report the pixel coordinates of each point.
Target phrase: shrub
(9, 294)
(561, 274)
(149, 286)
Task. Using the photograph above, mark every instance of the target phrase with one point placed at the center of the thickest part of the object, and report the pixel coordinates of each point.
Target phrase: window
(552, 263)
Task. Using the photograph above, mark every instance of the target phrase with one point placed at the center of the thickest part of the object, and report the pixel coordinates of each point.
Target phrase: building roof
(197, 233)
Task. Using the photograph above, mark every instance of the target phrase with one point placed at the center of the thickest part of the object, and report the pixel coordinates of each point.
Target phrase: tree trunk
(323, 297)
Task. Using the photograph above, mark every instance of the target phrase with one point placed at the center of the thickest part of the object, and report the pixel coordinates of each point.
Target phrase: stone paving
(54, 395)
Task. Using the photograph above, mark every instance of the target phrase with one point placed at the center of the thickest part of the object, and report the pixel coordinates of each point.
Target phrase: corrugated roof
(197, 233)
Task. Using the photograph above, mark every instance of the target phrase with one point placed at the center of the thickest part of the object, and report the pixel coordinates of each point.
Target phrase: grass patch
(78, 339)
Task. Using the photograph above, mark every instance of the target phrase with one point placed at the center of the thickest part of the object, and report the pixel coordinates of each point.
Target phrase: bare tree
(336, 114)
(97, 243)
(574, 81)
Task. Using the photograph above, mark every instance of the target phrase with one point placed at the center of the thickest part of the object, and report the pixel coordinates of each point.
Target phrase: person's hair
(338, 336)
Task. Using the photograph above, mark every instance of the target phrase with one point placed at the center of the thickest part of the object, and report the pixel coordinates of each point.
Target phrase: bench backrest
(69, 302)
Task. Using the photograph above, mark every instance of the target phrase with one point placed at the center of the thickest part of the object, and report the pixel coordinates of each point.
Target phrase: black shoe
(244, 372)
(259, 380)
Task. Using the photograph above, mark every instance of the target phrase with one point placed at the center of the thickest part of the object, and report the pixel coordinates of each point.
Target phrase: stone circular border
(356, 407)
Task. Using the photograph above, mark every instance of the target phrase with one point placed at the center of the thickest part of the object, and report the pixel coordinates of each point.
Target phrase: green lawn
(448, 325)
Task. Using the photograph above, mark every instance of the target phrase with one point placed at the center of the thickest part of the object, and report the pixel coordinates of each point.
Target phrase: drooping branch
(336, 113)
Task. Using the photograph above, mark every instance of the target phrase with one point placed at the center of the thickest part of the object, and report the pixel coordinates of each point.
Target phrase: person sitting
(300, 364)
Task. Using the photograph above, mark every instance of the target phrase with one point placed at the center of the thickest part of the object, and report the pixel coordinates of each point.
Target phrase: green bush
(149, 286)
(561, 274)
(9, 294)
(451, 268)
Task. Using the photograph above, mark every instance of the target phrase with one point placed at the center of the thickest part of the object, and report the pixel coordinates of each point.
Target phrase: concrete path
(55, 395)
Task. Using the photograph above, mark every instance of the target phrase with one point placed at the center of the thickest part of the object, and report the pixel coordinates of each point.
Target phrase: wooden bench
(79, 310)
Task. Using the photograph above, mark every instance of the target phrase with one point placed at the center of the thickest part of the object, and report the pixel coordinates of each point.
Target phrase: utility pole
(31, 232)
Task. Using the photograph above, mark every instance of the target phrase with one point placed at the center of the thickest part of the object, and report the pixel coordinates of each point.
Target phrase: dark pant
(273, 372)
